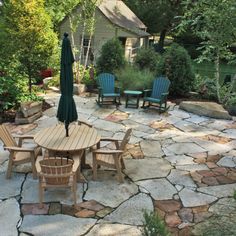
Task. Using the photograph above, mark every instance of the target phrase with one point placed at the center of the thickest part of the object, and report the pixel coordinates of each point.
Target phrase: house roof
(119, 14)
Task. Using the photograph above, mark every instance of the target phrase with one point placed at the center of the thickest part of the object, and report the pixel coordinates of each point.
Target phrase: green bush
(89, 75)
(9, 92)
(147, 58)
(112, 57)
(153, 225)
(132, 78)
(176, 65)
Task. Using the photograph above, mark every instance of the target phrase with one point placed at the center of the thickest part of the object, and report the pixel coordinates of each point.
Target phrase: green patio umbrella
(66, 112)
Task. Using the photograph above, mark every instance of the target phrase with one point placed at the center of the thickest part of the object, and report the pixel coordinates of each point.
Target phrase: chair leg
(74, 188)
(95, 167)
(34, 171)
(41, 192)
(10, 165)
(118, 168)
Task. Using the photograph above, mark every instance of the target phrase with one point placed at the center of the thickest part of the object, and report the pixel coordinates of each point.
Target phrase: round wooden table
(80, 137)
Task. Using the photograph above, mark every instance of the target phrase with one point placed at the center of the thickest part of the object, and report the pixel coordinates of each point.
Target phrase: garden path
(179, 164)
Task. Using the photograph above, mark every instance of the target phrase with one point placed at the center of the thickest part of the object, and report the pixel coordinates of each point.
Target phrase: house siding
(104, 30)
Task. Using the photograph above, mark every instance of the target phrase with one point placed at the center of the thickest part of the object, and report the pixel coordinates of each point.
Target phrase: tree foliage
(29, 36)
(112, 56)
(215, 23)
(158, 15)
(176, 65)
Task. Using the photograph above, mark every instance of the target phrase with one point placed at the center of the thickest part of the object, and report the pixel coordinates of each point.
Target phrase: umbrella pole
(67, 129)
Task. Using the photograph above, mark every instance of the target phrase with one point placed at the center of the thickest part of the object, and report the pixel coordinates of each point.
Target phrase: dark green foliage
(112, 57)
(153, 225)
(147, 58)
(132, 78)
(176, 65)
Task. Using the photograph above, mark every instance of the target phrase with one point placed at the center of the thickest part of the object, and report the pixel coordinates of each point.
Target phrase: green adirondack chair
(107, 92)
(158, 95)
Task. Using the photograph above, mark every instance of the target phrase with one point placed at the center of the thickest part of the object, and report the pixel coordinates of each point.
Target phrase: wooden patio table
(80, 137)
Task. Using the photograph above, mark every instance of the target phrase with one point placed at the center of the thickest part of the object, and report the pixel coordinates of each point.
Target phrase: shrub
(89, 75)
(153, 225)
(131, 77)
(112, 57)
(147, 59)
(176, 65)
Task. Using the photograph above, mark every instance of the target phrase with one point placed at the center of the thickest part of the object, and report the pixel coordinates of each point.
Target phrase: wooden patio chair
(111, 158)
(158, 94)
(18, 154)
(107, 92)
(57, 172)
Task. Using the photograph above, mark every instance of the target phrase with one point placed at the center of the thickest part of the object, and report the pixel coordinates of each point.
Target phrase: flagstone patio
(179, 164)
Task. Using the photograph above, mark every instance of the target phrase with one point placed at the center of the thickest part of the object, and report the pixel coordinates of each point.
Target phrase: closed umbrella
(66, 112)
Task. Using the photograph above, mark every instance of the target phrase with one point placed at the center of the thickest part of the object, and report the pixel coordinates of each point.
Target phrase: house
(112, 19)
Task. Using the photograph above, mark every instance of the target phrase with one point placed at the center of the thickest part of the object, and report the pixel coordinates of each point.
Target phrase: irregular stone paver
(180, 160)
(197, 119)
(181, 178)
(108, 125)
(193, 167)
(151, 148)
(227, 161)
(156, 189)
(138, 126)
(229, 133)
(9, 217)
(63, 195)
(116, 193)
(190, 198)
(115, 230)
(212, 147)
(10, 187)
(185, 148)
(134, 216)
(219, 191)
(147, 168)
(210, 109)
(62, 225)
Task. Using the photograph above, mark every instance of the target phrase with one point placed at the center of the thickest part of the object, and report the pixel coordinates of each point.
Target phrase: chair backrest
(107, 82)
(160, 85)
(6, 137)
(56, 170)
(126, 139)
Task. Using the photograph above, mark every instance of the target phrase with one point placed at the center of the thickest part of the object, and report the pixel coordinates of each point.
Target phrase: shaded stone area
(179, 164)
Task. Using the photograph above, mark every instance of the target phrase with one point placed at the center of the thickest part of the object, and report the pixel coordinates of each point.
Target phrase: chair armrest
(24, 136)
(76, 164)
(147, 92)
(19, 149)
(164, 96)
(101, 151)
(37, 165)
(109, 139)
(117, 89)
(100, 90)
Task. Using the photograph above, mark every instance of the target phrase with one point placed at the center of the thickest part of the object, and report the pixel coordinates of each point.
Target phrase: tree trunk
(162, 40)
(73, 47)
(217, 76)
(30, 85)
(90, 39)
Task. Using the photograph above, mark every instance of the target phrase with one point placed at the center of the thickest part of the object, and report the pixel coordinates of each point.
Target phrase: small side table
(132, 98)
